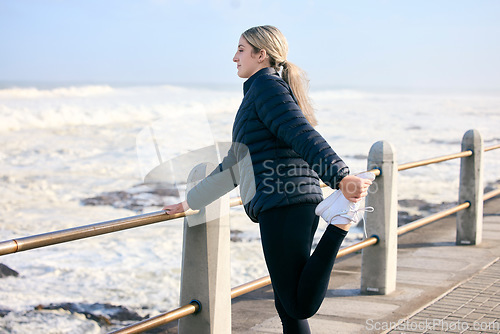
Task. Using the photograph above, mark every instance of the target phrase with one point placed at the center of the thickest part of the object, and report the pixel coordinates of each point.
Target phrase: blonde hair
(271, 40)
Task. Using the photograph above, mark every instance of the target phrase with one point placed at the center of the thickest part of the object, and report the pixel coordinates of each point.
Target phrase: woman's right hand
(172, 209)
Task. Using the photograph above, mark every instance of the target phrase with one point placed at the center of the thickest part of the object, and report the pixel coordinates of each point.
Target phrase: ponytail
(296, 78)
(274, 42)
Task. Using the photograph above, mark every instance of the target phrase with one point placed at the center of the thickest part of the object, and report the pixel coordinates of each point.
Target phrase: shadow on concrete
(426, 245)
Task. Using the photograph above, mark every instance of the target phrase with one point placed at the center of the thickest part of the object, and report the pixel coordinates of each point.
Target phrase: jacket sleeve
(281, 114)
(220, 181)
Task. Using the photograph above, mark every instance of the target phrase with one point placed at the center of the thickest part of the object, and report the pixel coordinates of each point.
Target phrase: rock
(492, 186)
(6, 271)
(3, 313)
(408, 203)
(358, 156)
(136, 198)
(445, 142)
(405, 218)
(104, 314)
(235, 235)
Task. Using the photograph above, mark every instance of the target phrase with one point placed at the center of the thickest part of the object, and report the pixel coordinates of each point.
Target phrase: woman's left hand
(354, 188)
(176, 208)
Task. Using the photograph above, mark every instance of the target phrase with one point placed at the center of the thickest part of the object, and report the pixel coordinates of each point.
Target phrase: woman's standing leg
(290, 325)
(300, 280)
(293, 325)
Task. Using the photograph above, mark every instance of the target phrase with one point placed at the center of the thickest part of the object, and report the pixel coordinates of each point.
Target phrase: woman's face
(248, 62)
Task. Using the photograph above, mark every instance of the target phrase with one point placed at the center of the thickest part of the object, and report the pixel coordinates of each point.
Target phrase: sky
(380, 44)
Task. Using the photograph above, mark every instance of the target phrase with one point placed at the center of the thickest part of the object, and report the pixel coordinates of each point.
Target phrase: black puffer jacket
(287, 154)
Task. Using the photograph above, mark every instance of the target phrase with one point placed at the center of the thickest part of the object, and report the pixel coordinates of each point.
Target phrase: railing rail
(160, 320)
(432, 218)
(86, 231)
(491, 194)
(81, 232)
(415, 164)
(491, 148)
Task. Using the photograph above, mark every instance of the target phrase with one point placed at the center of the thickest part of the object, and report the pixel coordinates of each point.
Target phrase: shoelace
(366, 209)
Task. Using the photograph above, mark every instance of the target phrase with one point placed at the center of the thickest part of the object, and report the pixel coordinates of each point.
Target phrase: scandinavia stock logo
(435, 325)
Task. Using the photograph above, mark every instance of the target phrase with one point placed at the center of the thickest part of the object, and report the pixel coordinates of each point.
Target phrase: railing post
(470, 220)
(379, 262)
(206, 265)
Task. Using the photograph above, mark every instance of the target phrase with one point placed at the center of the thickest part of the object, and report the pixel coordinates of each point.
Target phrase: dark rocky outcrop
(6, 271)
(104, 314)
(136, 198)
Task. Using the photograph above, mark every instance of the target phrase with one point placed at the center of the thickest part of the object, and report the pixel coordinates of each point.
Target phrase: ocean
(78, 154)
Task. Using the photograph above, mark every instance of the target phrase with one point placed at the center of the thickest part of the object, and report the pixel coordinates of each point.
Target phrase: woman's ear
(262, 55)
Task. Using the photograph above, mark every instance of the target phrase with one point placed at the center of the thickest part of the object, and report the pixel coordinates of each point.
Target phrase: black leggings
(300, 279)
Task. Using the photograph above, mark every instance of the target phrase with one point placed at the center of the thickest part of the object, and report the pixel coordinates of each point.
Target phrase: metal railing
(56, 237)
(87, 231)
(264, 281)
(161, 319)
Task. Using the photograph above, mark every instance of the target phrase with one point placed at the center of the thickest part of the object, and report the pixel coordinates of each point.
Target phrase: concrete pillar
(470, 220)
(379, 262)
(206, 270)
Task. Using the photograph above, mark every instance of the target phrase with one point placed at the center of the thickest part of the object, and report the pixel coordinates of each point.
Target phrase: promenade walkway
(441, 287)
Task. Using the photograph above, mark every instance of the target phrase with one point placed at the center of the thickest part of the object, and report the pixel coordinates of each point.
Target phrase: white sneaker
(336, 209)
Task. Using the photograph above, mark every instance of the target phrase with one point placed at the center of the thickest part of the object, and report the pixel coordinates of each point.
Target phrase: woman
(275, 125)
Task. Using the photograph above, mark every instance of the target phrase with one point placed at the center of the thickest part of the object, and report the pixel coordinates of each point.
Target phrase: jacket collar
(248, 83)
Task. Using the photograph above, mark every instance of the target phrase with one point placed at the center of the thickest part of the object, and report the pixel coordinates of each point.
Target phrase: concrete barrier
(206, 268)
(470, 220)
(379, 262)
